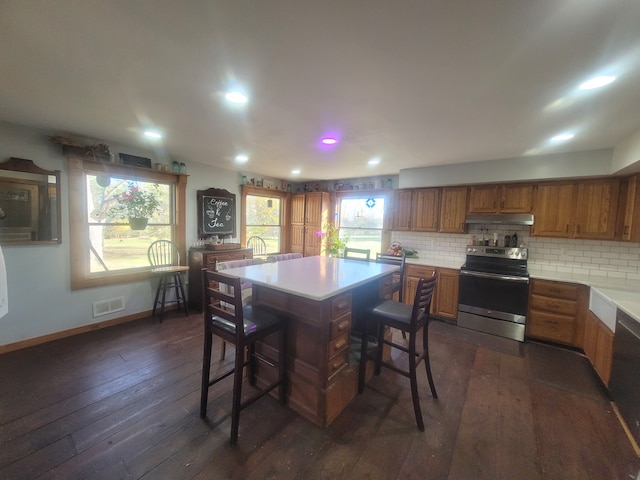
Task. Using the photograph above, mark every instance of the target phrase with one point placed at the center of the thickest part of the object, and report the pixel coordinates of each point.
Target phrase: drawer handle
(336, 364)
(553, 322)
(343, 325)
(340, 343)
(342, 305)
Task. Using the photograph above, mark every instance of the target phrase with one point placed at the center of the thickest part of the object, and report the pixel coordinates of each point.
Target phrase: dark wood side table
(201, 258)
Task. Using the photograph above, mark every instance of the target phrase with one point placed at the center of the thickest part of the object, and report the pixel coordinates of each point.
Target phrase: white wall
(626, 155)
(563, 165)
(38, 277)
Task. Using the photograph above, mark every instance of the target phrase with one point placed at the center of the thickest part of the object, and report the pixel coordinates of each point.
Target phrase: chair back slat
(357, 253)
(258, 245)
(422, 300)
(223, 298)
(163, 253)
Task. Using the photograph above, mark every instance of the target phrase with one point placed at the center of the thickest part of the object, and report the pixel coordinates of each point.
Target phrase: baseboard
(74, 331)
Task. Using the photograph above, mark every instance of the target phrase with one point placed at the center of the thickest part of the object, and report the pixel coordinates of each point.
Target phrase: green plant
(334, 244)
(135, 203)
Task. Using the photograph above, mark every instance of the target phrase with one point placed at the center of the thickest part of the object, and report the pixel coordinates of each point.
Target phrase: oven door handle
(495, 276)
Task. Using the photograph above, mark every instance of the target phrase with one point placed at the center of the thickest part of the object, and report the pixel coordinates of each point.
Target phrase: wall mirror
(29, 204)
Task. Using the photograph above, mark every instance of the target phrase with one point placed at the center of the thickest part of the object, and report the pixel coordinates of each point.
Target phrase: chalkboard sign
(216, 213)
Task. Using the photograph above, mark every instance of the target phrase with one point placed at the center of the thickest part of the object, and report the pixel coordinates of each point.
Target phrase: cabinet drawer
(340, 305)
(555, 289)
(550, 327)
(340, 325)
(419, 271)
(338, 344)
(337, 362)
(554, 305)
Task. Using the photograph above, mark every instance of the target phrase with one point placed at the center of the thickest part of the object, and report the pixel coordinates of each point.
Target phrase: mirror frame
(25, 166)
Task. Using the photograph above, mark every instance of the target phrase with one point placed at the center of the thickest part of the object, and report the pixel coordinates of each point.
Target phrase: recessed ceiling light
(295, 172)
(562, 137)
(153, 134)
(236, 97)
(374, 161)
(242, 158)
(329, 141)
(597, 82)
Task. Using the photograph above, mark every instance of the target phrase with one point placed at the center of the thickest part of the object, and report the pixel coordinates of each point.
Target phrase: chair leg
(165, 284)
(379, 348)
(206, 370)
(414, 381)
(282, 365)
(364, 346)
(223, 350)
(155, 300)
(180, 294)
(237, 394)
(251, 366)
(427, 363)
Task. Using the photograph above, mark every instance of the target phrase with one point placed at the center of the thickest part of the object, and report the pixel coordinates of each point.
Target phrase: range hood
(508, 219)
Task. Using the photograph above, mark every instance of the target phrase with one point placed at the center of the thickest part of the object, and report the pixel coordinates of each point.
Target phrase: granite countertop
(435, 262)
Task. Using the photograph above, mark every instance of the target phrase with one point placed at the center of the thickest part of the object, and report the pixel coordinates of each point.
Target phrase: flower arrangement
(135, 203)
(334, 243)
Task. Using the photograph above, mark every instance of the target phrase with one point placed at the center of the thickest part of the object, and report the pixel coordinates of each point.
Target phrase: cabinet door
(447, 294)
(312, 242)
(604, 352)
(313, 209)
(401, 210)
(553, 209)
(424, 209)
(597, 206)
(453, 209)
(630, 208)
(297, 239)
(297, 209)
(516, 199)
(483, 199)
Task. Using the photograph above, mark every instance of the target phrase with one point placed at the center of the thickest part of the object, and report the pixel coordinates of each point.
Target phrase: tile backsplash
(588, 257)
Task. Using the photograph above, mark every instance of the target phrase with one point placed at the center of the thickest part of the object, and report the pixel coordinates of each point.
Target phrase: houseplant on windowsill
(334, 244)
(135, 205)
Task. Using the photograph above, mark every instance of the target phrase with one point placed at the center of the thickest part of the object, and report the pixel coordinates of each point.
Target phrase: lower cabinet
(445, 299)
(556, 310)
(598, 345)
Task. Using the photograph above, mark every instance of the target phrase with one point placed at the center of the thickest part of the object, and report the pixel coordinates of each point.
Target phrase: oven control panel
(518, 253)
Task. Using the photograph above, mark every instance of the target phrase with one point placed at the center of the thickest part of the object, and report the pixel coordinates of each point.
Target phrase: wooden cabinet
(586, 209)
(553, 209)
(401, 207)
(200, 259)
(453, 209)
(598, 345)
(425, 209)
(516, 198)
(445, 297)
(309, 214)
(596, 209)
(447, 293)
(629, 225)
(556, 310)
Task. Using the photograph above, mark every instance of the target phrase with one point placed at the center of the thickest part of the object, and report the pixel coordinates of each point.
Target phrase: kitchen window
(263, 213)
(105, 250)
(361, 218)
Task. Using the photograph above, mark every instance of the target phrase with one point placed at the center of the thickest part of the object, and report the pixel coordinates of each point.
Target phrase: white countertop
(316, 278)
(435, 262)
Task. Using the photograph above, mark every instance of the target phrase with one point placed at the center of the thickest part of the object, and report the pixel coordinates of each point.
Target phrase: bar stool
(164, 257)
(225, 317)
(409, 319)
(398, 280)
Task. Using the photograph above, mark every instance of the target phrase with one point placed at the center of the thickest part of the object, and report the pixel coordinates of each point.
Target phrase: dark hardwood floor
(123, 402)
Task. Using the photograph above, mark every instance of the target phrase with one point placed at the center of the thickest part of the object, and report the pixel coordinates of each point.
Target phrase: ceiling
(412, 82)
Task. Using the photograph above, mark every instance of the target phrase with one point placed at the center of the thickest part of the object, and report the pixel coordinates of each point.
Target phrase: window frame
(79, 167)
(248, 190)
(385, 233)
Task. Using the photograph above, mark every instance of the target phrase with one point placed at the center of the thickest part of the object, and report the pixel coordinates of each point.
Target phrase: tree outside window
(263, 219)
(361, 219)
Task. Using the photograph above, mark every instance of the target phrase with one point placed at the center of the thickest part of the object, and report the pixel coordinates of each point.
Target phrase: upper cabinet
(453, 209)
(629, 211)
(585, 209)
(516, 198)
(401, 206)
(425, 209)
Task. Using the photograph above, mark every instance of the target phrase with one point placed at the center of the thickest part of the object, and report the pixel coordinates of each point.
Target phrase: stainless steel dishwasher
(624, 383)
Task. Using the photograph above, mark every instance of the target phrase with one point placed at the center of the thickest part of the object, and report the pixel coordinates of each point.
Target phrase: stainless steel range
(494, 291)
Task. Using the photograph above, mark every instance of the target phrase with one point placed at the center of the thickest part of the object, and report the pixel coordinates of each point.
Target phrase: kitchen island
(321, 298)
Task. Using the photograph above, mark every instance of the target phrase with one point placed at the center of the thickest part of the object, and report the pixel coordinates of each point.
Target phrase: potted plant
(334, 244)
(135, 205)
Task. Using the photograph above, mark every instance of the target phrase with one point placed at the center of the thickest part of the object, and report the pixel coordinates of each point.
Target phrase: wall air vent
(104, 307)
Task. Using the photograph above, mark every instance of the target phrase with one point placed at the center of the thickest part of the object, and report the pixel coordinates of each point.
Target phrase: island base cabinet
(598, 346)
(321, 379)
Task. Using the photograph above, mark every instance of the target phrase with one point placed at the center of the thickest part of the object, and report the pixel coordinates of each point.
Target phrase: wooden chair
(398, 279)
(258, 245)
(357, 253)
(409, 319)
(164, 257)
(242, 327)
